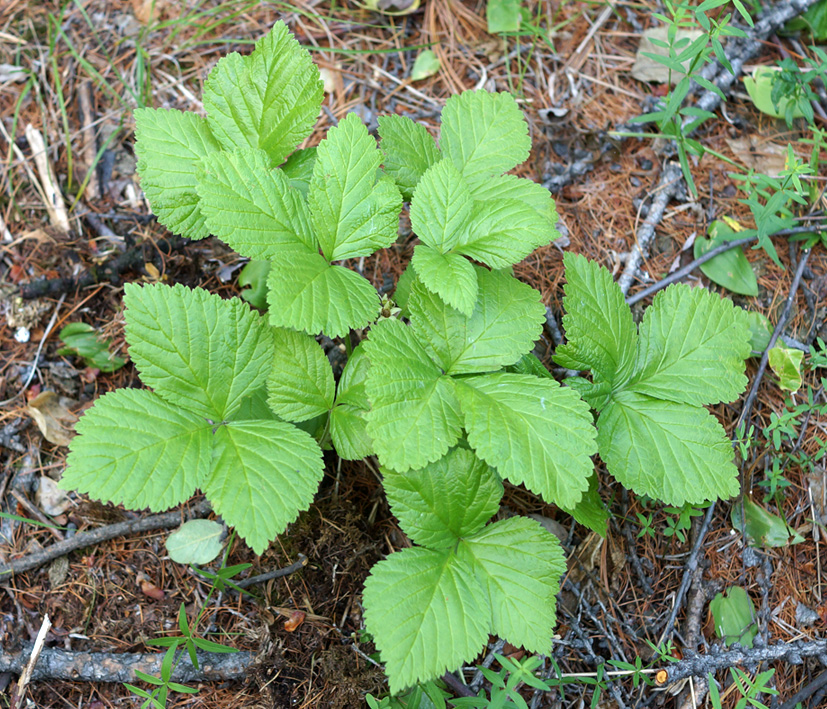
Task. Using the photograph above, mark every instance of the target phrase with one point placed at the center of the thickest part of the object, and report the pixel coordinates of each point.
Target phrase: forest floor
(73, 76)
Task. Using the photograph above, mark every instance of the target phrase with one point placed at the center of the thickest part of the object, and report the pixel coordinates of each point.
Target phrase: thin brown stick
(101, 534)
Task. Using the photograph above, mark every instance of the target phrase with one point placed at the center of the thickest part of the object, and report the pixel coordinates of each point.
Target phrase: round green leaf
(195, 542)
(729, 269)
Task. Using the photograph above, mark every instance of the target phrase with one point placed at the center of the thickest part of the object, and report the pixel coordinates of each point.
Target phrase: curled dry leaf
(151, 590)
(50, 498)
(52, 416)
(294, 621)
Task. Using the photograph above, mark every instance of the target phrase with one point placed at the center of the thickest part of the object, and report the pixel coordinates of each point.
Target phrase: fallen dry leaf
(50, 498)
(760, 155)
(50, 411)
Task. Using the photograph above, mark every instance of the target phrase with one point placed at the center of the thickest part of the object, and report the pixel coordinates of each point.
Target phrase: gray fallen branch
(120, 667)
(699, 665)
(101, 534)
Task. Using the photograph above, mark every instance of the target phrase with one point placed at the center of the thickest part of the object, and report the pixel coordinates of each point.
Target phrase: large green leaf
(263, 474)
(307, 293)
(601, 335)
(427, 613)
(444, 501)
(300, 385)
(484, 134)
(669, 451)
(196, 350)
(507, 320)
(136, 449)
(409, 151)
(269, 99)
(414, 417)
(442, 208)
(253, 207)
(519, 564)
(451, 276)
(512, 187)
(169, 146)
(353, 212)
(532, 430)
(692, 348)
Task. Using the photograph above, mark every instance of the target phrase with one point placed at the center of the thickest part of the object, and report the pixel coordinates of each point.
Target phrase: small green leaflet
(731, 268)
(353, 213)
(348, 428)
(484, 134)
(197, 541)
(426, 607)
(444, 501)
(653, 433)
(409, 151)
(208, 359)
(81, 340)
(196, 349)
(300, 384)
(169, 145)
(427, 613)
(269, 99)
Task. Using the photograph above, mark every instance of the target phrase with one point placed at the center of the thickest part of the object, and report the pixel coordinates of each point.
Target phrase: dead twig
(26, 677)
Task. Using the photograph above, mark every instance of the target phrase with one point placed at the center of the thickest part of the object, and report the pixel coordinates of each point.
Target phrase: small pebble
(22, 335)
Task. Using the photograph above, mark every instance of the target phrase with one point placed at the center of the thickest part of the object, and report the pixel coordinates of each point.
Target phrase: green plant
(505, 683)
(678, 526)
(450, 398)
(81, 340)
(748, 688)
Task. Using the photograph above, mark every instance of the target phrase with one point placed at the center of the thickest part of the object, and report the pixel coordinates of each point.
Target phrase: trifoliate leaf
(519, 564)
(484, 134)
(505, 231)
(252, 207)
(299, 169)
(353, 213)
(409, 151)
(307, 293)
(263, 474)
(450, 276)
(169, 146)
(414, 417)
(136, 449)
(601, 335)
(197, 350)
(442, 208)
(197, 541)
(444, 501)
(507, 320)
(269, 99)
(672, 452)
(692, 348)
(532, 430)
(349, 433)
(427, 613)
(300, 384)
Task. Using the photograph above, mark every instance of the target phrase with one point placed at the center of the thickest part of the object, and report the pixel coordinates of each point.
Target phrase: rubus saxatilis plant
(443, 388)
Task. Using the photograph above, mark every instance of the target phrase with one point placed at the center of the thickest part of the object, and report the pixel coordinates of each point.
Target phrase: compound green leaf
(196, 349)
(519, 564)
(669, 451)
(444, 501)
(353, 212)
(601, 335)
(427, 614)
(263, 474)
(414, 417)
(269, 99)
(169, 146)
(507, 320)
(300, 385)
(307, 293)
(409, 151)
(136, 449)
(450, 276)
(505, 231)
(532, 430)
(692, 348)
(484, 134)
(253, 207)
(349, 433)
(442, 208)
